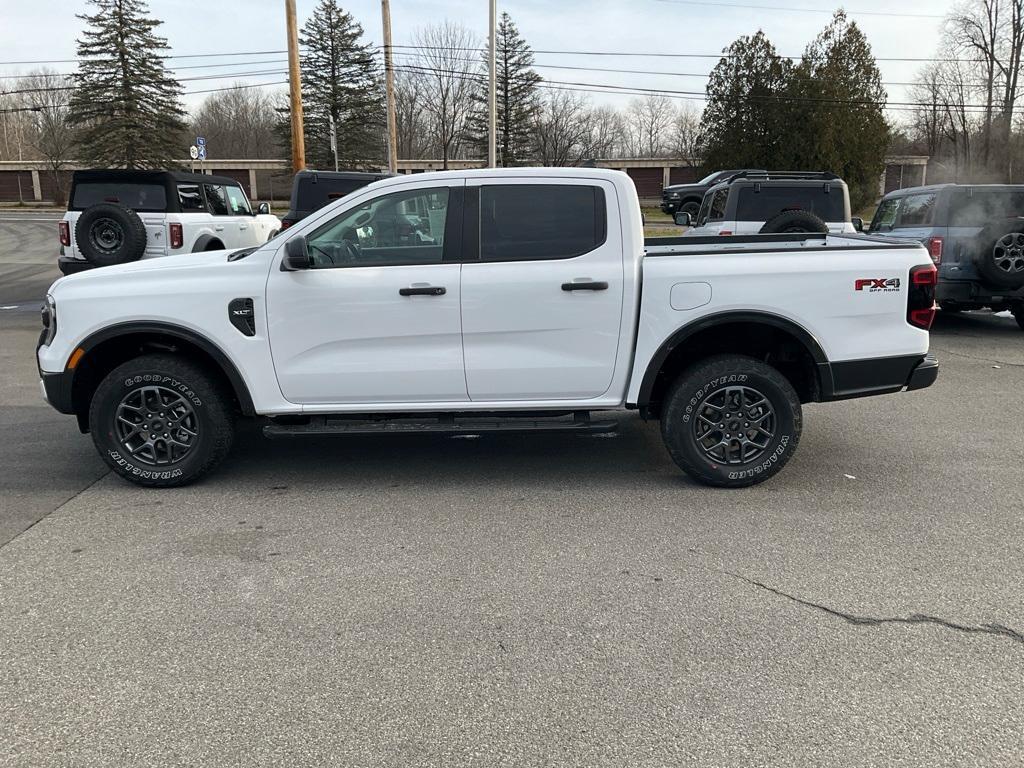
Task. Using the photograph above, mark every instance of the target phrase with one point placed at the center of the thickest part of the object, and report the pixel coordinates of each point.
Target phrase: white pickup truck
(490, 300)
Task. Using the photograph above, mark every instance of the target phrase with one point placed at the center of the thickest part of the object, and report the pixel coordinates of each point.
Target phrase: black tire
(110, 233)
(731, 381)
(1018, 314)
(691, 207)
(998, 254)
(794, 221)
(195, 402)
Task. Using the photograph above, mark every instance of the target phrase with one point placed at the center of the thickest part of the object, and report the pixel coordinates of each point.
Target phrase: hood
(698, 188)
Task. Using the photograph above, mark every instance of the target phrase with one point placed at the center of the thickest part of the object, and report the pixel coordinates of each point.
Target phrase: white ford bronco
(488, 300)
(118, 216)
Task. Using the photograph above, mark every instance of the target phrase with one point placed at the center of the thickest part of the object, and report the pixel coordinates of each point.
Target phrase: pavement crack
(56, 509)
(915, 618)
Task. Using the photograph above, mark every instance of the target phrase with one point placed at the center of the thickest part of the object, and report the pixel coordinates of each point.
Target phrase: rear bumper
(876, 376)
(69, 266)
(969, 292)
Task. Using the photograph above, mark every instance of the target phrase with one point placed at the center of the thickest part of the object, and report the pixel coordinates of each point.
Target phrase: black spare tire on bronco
(794, 221)
(998, 253)
(110, 233)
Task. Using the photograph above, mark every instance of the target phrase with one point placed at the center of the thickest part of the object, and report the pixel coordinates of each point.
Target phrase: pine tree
(837, 108)
(743, 123)
(125, 103)
(516, 101)
(340, 80)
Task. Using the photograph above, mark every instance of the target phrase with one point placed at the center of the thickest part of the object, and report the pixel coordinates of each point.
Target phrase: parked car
(773, 203)
(312, 190)
(975, 234)
(688, 197)
(118, 216)
(521, 301)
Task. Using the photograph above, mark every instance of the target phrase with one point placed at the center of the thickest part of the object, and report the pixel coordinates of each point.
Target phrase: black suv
(975, 234)
(312, 190)
(687, 197)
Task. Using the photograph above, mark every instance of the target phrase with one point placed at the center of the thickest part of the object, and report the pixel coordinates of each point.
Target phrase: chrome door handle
(423, 290)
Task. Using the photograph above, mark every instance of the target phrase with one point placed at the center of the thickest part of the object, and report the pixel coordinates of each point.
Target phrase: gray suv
(974, 233)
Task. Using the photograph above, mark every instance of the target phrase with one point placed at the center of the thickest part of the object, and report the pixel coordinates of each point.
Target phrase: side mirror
(858, 223)
(263, 208)
(683, 219)
(296, 255)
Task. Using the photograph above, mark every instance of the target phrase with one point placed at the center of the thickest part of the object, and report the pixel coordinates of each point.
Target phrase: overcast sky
(46, 29)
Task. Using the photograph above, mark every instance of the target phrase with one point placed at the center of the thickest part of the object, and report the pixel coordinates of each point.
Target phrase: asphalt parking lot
(519, 601)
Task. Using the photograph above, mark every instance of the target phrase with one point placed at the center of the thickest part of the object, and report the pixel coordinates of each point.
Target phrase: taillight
(724, 233)
(65, 232)
(935, 249)
(177, 237)
(921, 296)
(285, 223)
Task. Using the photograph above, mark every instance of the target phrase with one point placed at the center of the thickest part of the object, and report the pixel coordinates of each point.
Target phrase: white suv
(117, 216)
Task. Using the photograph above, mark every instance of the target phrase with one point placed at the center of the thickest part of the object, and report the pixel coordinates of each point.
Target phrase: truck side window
(885, 216)
(528, 222)
(216, 199)
(717, 209)
(916, 210)
(400, 229)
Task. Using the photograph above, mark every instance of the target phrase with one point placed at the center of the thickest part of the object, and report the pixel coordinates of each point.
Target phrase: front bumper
(877, 376)
(669, 206)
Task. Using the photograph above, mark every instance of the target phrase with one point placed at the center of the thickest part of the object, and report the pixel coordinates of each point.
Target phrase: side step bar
(452, 424)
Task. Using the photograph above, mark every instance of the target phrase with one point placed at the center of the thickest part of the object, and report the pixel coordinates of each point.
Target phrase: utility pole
(492, 111)
(295, 87)
(389, 87)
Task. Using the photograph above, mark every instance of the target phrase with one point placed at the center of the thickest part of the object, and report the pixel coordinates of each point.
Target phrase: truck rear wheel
(161, 421)
(731, 421)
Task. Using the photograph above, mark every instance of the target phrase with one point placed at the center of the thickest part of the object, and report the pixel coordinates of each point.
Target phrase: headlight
(674, 195)
(49, 317)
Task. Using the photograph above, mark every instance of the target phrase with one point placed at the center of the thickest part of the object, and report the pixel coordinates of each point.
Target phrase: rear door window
(216, 199)
(916, 210)
(527, 222)
(190, 198)
(765, 201)
(138, 197)
(979, 207)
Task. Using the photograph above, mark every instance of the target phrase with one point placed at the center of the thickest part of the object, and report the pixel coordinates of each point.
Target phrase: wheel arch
(109, 347)
(205, 241)
(774, 339)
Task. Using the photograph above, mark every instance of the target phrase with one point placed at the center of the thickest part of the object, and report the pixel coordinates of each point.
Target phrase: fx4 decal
(876, 284)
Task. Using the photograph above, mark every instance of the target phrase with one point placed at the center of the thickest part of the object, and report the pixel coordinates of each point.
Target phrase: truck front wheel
(731, 421)
(161, 421)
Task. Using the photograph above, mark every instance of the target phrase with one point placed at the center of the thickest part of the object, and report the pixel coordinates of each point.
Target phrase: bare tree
(445, 72)
(959, 122)
(929, 122)
(685, 133)
(604, 133)
(48, 96)
(648, 125)
(410, 117)
(239, 122)
(975, 30)
(561, 129)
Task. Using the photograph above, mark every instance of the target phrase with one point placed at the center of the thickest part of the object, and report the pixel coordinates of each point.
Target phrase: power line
(173, 56)
(849, 11)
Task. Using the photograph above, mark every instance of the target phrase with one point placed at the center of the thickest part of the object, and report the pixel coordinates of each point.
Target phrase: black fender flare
(680, 335)
(229, 369)
(204, 240)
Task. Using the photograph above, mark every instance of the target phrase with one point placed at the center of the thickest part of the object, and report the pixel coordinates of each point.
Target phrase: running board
(452, 424)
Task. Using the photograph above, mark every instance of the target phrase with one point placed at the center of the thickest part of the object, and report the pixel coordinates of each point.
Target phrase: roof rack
(769, 175)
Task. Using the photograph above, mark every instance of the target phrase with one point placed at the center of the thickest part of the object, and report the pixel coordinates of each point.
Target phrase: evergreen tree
(516, 102)
(743, 122)
(125, 103)
(837, 120)
(340, 80)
